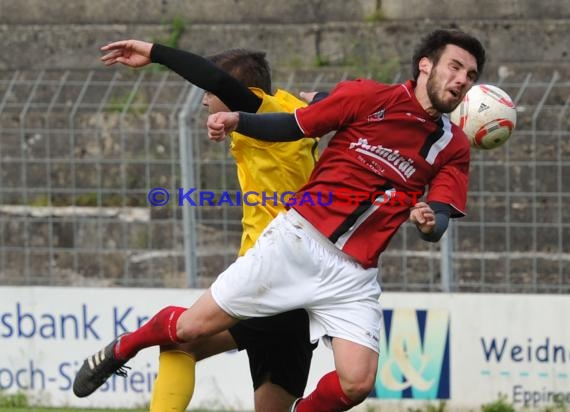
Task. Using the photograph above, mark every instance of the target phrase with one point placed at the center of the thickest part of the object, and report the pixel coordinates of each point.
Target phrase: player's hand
(423, 217)
(132, 53)
(308, 96)
(221, 124)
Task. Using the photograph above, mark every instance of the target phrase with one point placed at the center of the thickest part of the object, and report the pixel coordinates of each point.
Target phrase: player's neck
(423, 99)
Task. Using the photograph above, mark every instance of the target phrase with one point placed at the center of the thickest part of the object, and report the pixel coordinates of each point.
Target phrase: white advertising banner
(464, 349)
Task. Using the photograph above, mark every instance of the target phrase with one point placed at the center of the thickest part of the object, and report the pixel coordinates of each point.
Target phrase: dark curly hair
(434, 43)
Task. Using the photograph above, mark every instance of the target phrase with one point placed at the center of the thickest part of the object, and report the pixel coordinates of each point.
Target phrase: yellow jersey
(270, 169)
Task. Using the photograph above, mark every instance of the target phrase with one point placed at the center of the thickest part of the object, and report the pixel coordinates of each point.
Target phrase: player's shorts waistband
(298, 220)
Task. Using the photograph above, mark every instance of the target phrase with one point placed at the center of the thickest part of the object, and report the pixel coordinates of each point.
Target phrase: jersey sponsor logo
(415, 353)
(376, 116)
(403, 166)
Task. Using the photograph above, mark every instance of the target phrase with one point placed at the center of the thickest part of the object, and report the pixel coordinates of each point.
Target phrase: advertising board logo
(414, 355)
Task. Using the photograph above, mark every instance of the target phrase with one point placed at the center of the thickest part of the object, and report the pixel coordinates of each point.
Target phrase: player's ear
(425, 65)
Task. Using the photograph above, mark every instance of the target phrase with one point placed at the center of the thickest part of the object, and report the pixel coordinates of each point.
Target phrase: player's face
(213, 103)
(451, 78)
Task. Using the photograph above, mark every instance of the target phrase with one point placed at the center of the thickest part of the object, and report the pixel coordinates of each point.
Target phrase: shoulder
(281, 101)
(360, 94)
(362, 86)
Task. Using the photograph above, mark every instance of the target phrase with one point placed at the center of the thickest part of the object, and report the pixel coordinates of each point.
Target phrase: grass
(38, 409)
(18, 402)
(41, 409)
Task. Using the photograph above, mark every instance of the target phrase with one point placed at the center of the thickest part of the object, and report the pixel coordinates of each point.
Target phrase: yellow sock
(174, 384)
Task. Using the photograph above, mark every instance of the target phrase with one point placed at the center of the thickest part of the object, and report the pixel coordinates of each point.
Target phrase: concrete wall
(55, 34)
(293, 46)
(191, 11)
(269, 11)
(476, 9)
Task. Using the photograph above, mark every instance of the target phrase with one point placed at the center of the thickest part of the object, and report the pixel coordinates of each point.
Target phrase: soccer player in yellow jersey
(278, 347)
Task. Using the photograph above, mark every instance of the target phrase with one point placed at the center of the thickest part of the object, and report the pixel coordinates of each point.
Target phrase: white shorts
(293, 266)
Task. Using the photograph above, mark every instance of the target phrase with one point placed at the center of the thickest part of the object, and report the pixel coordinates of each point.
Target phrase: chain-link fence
(83, 153)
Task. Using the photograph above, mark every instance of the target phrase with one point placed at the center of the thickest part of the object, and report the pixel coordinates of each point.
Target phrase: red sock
(327, 397)
(159, 330)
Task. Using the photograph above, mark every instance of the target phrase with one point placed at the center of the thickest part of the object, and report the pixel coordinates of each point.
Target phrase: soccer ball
(487, 115)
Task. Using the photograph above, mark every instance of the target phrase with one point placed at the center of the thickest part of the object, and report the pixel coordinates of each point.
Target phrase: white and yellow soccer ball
(487, 115)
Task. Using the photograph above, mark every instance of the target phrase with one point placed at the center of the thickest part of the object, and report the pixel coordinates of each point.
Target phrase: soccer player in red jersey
(322, 255)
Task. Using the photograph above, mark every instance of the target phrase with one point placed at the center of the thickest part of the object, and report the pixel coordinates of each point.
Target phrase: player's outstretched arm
(192, 67)
(206, 75)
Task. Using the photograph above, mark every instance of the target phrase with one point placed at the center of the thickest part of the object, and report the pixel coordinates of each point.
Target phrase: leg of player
(279, 350)
(170, 325)
(270, 397)
(174, 385)
(346, 386)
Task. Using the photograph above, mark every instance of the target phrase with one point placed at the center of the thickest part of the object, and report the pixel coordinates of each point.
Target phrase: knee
(189, 331)
(358, 388)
